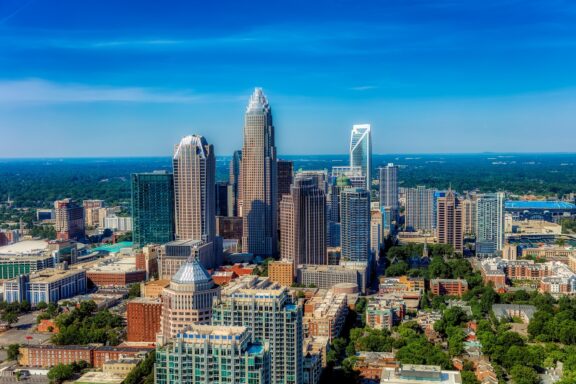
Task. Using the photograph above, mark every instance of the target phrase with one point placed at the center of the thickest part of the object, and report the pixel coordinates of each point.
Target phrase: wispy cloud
(15, 12)
(42, 91)
(363, 88)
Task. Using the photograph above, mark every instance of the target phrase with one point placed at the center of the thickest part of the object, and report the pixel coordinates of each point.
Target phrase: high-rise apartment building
(320, 177)
(259, 179)
(490, 224)
(355, 224)
(449, 221)
(361, 151)
(389, 188)
(303, 223)
(208, 354)
(194, 166)
(152, 208)
(270, 313)
(69, 220)
(188, 299)
(91, 211)
(234, 180)
(469, 214)
(355, 175)
(419, 214)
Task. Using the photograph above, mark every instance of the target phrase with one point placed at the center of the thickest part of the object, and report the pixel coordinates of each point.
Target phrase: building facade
(449, 221)
(419, 215)
(490, 224)
(143, 316)
(207, 354)
(234, 180)
(194, 165)
(69, 220)
(259, 179)
(269, 312)
(361, 151)
(389, 188)
(355, 224)
(303, 223)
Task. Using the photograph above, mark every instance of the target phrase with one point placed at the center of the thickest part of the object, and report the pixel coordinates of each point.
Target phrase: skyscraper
(389, 188)
(285, 177)
(208, 354)
(449, 221)
(194, 189)
(469, 214)
(152, 208)
(188, 299)
(490, 224)
(270, 313)
(303, 223)
(355, 224)
(361, 151)
(69, 220)
(235, 166)
(259, 179)
(221, 198)
(419, 215)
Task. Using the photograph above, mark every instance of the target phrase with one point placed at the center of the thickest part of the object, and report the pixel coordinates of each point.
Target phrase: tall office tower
(152, 208)
(389, 188)
(437, 195)
(490, 224)
(221, 198)
(259, 179)
(419, 215)
(234, 180)
(376, 232)
(69, 220)
(303, 223)
(355, 224)
(194, 166)
(469, 214)
(91, 212)
(449, 221)
(270, 313)
(285, 177)
(353, 174)
(188, 299)
(208, 354)
(361, 151)
(320, 177)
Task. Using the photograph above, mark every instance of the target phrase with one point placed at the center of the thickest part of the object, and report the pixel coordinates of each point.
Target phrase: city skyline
(495, 74)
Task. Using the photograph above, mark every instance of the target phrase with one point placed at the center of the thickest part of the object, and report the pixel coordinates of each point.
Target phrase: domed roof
(192, 272)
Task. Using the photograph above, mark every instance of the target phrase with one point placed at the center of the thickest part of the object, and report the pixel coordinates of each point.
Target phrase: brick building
(281, 272)
(450, 287)
(143, 317)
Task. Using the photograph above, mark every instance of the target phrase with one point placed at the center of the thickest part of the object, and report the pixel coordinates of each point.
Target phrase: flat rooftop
(25, 247)
(52, 275)
(100, 378)
(117, 264)
(524, 204)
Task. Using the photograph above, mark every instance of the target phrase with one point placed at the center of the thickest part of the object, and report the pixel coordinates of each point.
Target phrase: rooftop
(523, 204)
(114, 248)
(25, 247)
(51, 275)
(114, 264)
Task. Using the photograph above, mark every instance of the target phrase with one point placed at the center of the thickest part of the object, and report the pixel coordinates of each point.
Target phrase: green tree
(13, 351)
(60, 372)
(524, 375)
(9, 318)
(134, 291)
(41, 306)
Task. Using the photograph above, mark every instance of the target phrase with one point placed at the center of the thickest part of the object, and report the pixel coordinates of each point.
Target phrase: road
(23, 328)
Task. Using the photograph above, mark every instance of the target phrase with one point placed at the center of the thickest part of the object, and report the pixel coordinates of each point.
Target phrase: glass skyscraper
(489, 224)
(361, 151)
(152, 208)
(355, 224)
(389, 188)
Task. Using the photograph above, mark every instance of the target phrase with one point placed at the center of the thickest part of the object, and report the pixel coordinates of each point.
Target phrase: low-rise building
(450, 287)
(326, 276)
(401, 284)
(325, 314)
(13, 266)
(508, 311)
(421, 374)
(370, 365)
(384, 313)
(154, 288)
(120, 367)
(48, 286)
(115, 271)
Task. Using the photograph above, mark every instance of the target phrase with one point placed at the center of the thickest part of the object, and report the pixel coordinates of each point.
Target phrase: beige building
(259, 179)
(325, 314)
(120, 367)
(449, 221)
(188, 300)
(281, 272)
(303, 223)
(194, 166)
(469, 215)
(92, 212)
(154, 288)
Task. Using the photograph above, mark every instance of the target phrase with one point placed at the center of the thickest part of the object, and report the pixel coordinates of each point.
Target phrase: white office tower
(361, 151)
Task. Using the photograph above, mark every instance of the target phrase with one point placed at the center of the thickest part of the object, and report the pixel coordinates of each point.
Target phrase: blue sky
(129, 78)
